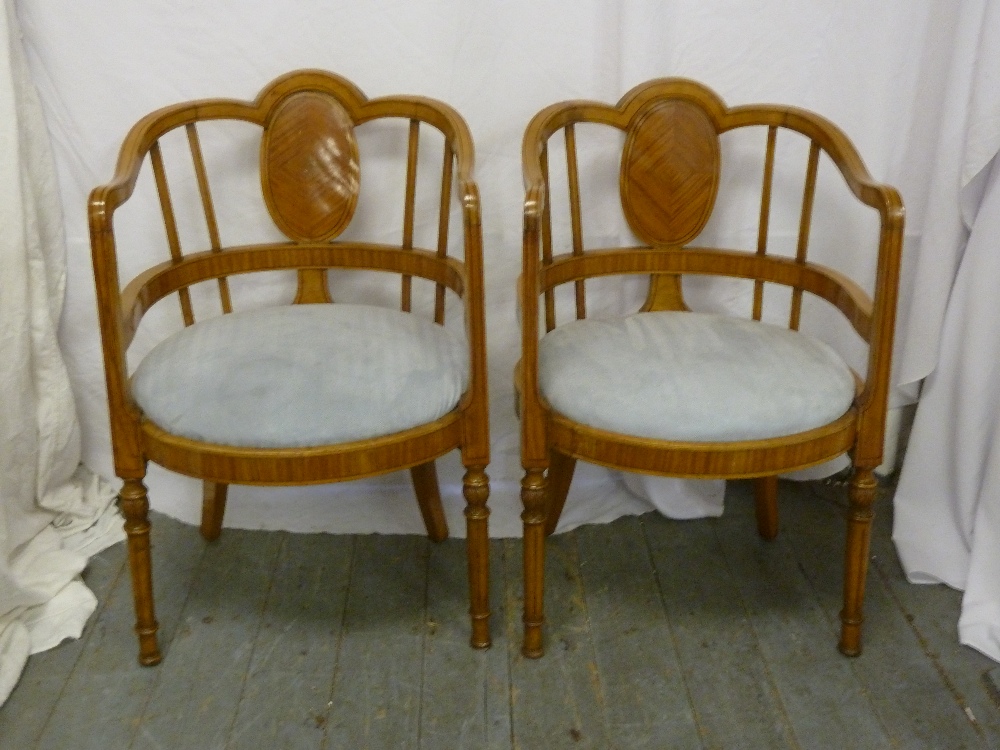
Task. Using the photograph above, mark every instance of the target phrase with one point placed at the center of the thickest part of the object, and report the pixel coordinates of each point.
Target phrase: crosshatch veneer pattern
(670, 173)
(309, 167)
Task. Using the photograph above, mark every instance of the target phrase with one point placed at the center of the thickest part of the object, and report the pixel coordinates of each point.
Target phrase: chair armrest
(533, 451)
(477, 447)
(873, 402)
(122, 411)
(886, 201)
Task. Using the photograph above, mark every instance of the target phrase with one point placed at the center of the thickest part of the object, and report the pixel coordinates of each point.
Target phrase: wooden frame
(302, 105)
(551, 443)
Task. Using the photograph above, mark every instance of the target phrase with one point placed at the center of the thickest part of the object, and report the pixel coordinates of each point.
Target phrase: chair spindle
(765, 215)
(574, 208)
(804, 223)
(170, 224)
(442, 247)
(408, 209)
(550, 300)
(206, 201)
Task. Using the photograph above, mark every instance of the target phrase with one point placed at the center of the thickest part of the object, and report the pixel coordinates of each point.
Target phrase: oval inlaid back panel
(309, 167)
(670, 173)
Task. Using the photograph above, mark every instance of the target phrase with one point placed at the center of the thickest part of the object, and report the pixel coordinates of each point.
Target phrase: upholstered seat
(303, 375)
(690, 376)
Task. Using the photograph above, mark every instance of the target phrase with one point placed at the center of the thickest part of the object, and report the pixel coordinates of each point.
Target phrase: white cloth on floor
(53, 512)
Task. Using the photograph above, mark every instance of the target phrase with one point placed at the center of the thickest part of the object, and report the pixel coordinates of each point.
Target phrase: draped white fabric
(879, 70)
(497, 64)
(53, 513)
(947, 522)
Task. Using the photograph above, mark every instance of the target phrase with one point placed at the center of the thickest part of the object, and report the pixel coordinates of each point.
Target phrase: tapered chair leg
(476, 488)
(425, 486)
(213, 508)
(859, 522)
(561, 469)
(533, 491)
(135, 508)
(765, 495)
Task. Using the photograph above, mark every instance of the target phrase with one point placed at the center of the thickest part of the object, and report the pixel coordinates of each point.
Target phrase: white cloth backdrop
(497, 64)
(870, 67)
(53, 513)
(947, 522)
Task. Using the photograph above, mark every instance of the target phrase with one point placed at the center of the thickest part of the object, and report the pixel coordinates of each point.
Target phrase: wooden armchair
(311, 392)
(671, 392)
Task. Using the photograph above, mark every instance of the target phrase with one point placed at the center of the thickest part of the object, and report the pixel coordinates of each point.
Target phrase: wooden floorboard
(465, 695)
(822, 696)
(646, 698)
(107, 691)
(556, 701)
(285, 700)
(202, 677)
(901, 683)
(734, 696)
(659, 633)
(379, 675)
(932, 612)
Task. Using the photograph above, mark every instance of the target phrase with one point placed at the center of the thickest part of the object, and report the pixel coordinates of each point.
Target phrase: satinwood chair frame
(317, 97)
(552, 443)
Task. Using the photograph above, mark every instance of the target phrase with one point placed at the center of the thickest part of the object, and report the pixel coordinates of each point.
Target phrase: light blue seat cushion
(302, 375)
(692, 377)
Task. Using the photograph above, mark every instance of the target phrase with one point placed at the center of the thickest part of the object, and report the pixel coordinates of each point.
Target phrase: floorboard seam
(842, 505)
(423, 643)
(340, 638)
(151, 690)
(699, 728)
(748, 615)
(602, 698)
(260, 624)
(511, 642)
(925, 647)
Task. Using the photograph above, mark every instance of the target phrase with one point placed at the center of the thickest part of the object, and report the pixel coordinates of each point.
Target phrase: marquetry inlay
(670, 173)
(309, 167)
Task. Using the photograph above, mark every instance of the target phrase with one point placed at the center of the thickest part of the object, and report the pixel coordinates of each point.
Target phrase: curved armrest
(532, 428)
(477, 446)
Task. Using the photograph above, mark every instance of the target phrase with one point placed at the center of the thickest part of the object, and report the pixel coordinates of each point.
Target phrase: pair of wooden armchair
(316, 392)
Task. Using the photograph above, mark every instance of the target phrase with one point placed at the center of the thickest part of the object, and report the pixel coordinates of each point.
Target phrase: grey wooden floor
(661, 634)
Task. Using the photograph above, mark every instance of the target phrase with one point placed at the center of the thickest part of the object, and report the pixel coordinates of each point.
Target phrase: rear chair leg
(476, 488)
(765, 494)
(425, 486)
(859, 524)
(561, 469)
(213, 508)
(135, 507)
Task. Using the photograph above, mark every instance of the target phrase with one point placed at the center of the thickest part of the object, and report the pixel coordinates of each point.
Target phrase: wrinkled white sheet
(54, 514)
(947, 522)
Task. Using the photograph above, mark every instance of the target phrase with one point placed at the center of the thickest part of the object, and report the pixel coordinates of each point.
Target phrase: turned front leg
(135, 507)
(859, 523)
(476, 488)
(533, 497)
